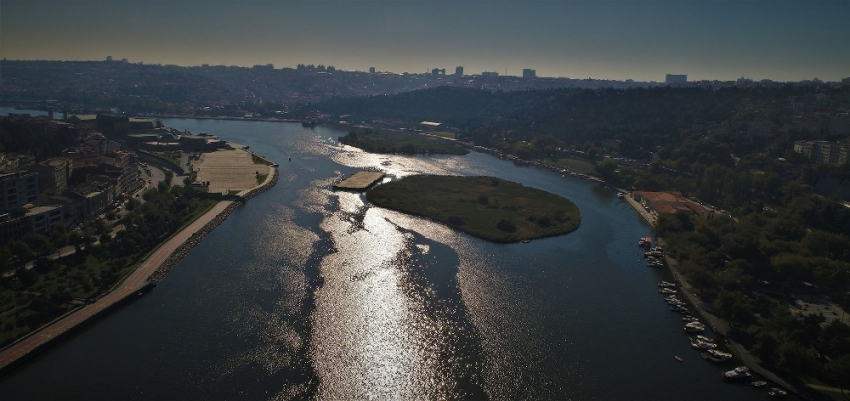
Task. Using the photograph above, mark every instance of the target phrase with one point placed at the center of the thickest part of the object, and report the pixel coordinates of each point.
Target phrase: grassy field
(579, 166)
(486, 207)
(444, 134)
(260, 160)
(396, 142)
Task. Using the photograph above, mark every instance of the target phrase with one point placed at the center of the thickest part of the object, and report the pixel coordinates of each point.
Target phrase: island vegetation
(399, 142)
(486, 207)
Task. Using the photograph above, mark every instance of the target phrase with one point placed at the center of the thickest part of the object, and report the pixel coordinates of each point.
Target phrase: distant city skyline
(619, 39)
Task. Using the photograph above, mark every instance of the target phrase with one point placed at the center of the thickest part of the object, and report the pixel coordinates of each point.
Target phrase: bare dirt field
(229, 170)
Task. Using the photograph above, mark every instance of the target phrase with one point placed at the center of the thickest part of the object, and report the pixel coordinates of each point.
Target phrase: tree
(39, 243)
(606, 168)
(506, 226)
(766, 347)
(838, 370)
(59, 237)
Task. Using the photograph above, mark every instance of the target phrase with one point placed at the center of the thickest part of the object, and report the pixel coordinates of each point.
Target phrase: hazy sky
(617, 39)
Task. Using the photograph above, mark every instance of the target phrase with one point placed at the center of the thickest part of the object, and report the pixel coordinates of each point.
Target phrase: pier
(360, 181)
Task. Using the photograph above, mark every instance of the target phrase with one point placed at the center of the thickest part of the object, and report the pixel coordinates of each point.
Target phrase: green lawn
(486, 207)
(576, 165)
(444, 134)
(397, 142)
(260, 160)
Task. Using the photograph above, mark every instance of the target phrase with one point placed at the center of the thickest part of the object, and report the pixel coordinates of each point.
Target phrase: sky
(783, 40)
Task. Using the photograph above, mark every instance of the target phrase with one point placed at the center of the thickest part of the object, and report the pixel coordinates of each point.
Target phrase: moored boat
(717, 356)
(776, 392)
(739, 373)
(699, 344)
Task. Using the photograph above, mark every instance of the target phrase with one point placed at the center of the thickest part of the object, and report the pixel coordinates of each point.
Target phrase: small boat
(620, 195)
(759, 383)
(717, 356)
(776, 392)
(678, 358)
(741, 372)
(704, 338)
(698, 344)
(525, 241)
(694, 327)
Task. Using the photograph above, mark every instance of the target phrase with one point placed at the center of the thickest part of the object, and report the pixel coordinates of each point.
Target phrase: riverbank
(717, 324)
(720, 327)
(150, 271)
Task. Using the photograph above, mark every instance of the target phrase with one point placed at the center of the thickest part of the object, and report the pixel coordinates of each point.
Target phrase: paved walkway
(129, 287)
(649, 217)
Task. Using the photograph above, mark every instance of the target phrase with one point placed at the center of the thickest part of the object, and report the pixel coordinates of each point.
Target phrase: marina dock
(360, 181)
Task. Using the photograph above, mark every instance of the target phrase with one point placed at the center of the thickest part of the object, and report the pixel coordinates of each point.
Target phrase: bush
(506, 226)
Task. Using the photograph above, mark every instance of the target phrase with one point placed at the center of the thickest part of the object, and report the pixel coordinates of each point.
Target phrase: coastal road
(128, 287)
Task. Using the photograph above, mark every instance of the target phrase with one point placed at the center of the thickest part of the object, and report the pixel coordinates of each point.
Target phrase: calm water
(408, 309)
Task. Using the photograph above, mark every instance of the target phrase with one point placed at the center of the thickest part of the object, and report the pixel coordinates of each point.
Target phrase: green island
(398, 142)
(486, 207)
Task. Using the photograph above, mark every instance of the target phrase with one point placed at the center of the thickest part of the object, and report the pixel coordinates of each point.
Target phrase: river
(307, 292)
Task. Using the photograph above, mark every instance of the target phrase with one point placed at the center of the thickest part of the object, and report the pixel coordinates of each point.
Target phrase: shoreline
(717, 324)
(142, 280)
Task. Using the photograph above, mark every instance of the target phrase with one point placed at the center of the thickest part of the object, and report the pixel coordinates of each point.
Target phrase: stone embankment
(198, 236)
(190, 243)
(271, 180)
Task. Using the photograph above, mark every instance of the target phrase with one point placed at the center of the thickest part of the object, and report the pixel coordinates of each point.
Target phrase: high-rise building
(676, 78)
(529, 73)
(489, 74)
(438, 71)
(18, 189)
(371, 70)
(459, 71)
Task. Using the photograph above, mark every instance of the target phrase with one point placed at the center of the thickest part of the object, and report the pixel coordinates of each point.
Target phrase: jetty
(360, 181)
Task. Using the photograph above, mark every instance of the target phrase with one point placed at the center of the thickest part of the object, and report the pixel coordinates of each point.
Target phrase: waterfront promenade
(134, 283)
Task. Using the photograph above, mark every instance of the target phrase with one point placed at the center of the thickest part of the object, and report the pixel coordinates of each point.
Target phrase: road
(130, 286)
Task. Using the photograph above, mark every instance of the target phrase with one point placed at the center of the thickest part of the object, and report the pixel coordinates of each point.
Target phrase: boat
(739, 373)
(776, 392)
(717, 356)
(666, 284)
(694, 327)
(760, 383)
(690, 319)
(704, 338)
(678, 358)
(620, 195)
(699, 344)
(642, 242)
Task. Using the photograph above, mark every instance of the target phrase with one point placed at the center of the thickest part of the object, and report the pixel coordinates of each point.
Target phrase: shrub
(506, 226)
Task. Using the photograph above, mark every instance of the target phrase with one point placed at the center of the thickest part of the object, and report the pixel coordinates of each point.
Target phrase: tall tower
(459, 71)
